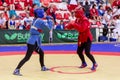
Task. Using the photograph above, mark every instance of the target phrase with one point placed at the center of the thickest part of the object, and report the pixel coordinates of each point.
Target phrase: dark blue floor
(66, 47)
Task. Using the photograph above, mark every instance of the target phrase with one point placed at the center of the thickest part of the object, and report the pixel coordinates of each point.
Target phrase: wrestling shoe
(83, 65)
(44, 68)
(94, 66)
(17, 72)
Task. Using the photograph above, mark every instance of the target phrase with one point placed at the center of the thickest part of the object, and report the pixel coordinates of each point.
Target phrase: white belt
(33, 27)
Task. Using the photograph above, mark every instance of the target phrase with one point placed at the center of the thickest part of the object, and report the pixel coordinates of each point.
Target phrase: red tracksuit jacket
(83, 27)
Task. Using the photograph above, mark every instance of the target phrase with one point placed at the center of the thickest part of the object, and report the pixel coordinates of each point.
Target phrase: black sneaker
(17, 72)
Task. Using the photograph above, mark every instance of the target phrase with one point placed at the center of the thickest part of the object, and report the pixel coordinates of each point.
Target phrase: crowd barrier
(21, 36)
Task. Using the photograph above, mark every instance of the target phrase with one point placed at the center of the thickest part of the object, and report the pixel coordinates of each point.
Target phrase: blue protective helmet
(39, 13)
(48, 17)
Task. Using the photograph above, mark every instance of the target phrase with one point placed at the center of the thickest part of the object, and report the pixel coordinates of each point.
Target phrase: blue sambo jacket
(34, 34)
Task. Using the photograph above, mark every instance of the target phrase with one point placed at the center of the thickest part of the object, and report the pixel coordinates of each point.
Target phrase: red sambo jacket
(82, 25)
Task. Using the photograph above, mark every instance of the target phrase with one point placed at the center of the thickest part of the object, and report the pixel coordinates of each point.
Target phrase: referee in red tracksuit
(82, 25)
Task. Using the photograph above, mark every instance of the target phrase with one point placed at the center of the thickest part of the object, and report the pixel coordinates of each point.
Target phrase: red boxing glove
(39, 30)
(69, 25)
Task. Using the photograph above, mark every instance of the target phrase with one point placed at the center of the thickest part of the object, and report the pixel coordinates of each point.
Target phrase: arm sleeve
(69, 26)
(82, 27)
(45, 26)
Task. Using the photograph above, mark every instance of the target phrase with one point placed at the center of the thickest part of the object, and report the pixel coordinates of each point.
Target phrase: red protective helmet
(79, 13)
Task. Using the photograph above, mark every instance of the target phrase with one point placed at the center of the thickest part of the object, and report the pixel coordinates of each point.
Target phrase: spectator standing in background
(50, 25)
(20, 24)
(5, 13)
(101, 11)
(84, 2)
(11, 22)
(18, 6)
(116, 10)
(2, 21)
(28, 4)
(28, 21)
(10, 1)
(116, 31)
(107, 18)
(94, 12)
(106, 21)
(12, 11)
(51, 12)
(34, 6)
(72, 4)
(37, 2)
(87, 9)
(116, 3)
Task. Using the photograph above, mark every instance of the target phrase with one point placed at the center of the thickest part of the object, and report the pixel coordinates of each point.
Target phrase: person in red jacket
(82, 25)
(10, 1)
(28, 3)
(51, 12)
(116, 3)
(94, 12)
(34, 6)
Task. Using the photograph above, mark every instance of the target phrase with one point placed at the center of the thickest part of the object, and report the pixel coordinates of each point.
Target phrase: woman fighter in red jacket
(82, 25)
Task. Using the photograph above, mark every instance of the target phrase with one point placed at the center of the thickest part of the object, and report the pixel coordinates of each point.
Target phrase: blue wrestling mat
(66, 47)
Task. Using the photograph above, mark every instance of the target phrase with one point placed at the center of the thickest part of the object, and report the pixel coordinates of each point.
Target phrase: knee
(87, 53)
(41, 52)
(26, 59)
(79, 52)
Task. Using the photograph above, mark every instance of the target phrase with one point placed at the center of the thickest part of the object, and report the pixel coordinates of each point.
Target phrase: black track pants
(85, 46)
(30, 49)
